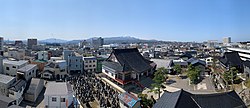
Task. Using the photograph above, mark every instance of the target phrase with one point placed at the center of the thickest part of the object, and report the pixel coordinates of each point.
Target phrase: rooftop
(5, 78)
(27, 68)
(20, 62)
(58, 88)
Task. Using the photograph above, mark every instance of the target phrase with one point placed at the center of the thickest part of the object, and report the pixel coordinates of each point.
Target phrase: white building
(16, 91)
(16, 54)
(58, 95)
(11, 67)
(58, 69)
(5, 83)
(27, 72)
(90, 64)
(42, 55)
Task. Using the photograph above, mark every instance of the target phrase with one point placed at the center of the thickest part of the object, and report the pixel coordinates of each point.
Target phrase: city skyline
(161, 20)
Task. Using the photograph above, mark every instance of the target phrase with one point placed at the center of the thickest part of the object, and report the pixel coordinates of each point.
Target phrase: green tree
(159, 77)
(145, 102)
(231, 75)
(177, 69)
(193, 73)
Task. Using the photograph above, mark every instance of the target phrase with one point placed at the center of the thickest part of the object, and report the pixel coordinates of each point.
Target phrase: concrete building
(96, 43)
(58, 95)
(90, 64)
(67, 53)
(6, 82)
(42, 55)
(27, 72)
(75, 64)
(16, 91)
(17, 54)
(11, 67)
(31, 42)
(18, 43)
(226, 40)
(35, 88)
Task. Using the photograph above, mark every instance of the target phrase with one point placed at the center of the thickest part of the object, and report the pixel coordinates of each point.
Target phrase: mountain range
(107, 40)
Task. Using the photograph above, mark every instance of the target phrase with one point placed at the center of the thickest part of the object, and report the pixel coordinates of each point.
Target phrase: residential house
(16, 91)
(27, 72)
(126, 65)
(11, 67)
(184, 99)
(5, 83)
(58, 70)
(128, 100)
(90, 64)
(58, 94)
(34, 89)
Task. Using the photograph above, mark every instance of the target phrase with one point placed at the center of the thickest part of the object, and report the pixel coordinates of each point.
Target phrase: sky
(174, 20)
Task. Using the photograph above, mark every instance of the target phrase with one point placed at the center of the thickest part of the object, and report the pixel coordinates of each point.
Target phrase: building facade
(58, 95)
(11, 67)
(90, 64)
(27, 72)
(31, 42)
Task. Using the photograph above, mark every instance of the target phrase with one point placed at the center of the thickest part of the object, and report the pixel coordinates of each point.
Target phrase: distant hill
(53, 40)
(107, 40)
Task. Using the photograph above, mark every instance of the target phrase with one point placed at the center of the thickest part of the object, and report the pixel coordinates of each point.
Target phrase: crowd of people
(89, 88)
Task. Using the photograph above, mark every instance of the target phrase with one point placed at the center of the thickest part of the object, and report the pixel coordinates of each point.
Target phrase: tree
(177, 69)
(193, 73)
(145, 102)
(159, 78)
(231, 75)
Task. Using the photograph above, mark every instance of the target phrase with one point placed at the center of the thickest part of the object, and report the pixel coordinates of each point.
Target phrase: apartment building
(11, 67)
(90, 64)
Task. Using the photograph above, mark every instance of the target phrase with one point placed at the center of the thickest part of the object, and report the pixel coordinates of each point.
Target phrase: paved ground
(205, 86)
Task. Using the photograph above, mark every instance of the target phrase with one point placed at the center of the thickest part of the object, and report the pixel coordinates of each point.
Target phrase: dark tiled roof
(231, 58)
(184, 99)
(18, 85)
(247, 63)
(114, 65)
(179, 99)
(131, 59)
(186, 55)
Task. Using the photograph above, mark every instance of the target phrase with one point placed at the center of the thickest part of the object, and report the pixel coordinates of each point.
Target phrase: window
(90, 65)
(93, 65)
(90, 61)
(93, 61)
(53, 99)
(13, 66)
(76, 60)
(62, 99)
(7, 68)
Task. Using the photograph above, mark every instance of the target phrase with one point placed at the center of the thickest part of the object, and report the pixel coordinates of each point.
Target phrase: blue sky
(180, 20)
